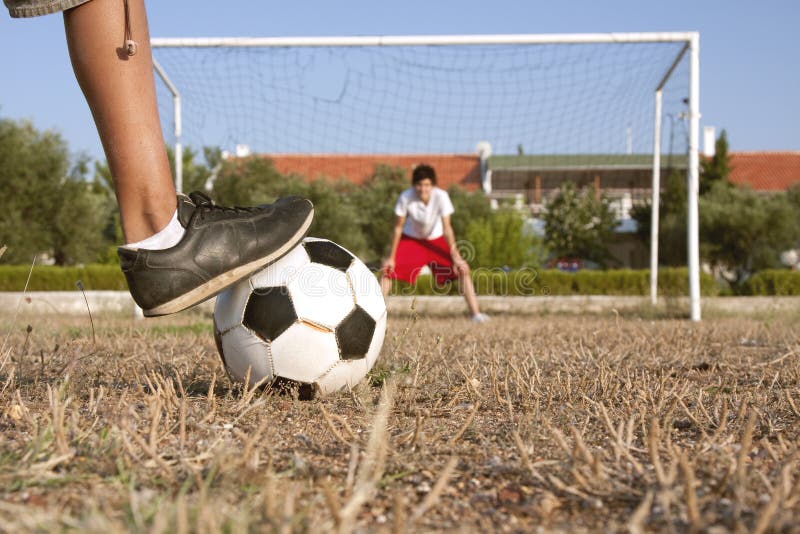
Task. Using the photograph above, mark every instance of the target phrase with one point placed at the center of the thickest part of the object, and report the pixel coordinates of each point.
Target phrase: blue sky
(750, 55)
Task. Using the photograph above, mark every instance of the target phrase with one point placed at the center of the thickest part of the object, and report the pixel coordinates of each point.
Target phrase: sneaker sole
(218, 284)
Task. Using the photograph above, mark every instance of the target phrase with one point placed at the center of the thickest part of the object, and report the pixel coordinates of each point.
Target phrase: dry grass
(568, 424)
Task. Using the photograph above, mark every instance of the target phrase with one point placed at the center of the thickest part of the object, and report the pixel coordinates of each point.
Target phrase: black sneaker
(221, 246)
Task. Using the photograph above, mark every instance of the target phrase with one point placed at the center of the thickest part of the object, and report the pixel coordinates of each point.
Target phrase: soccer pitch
(571, 423)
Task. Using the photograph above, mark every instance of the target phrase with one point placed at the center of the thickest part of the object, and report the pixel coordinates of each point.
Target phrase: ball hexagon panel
(328, 253)
(343, 374)
(282, 271)
(269, 312)
(377, 341)
(354, 334)
(229, 307)
(242, 350)
(303, 353)
(321, 295)
(367, 289)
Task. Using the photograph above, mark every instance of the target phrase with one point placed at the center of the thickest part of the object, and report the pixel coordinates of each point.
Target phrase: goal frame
(691, 46)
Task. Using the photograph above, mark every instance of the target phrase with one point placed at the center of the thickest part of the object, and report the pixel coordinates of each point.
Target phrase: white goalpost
(562, 98)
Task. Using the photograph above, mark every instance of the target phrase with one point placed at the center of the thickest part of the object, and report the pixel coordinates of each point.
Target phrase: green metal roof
(584, 161)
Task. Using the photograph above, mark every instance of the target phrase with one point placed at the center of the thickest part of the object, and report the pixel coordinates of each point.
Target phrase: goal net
(542, 99)
(515, 116)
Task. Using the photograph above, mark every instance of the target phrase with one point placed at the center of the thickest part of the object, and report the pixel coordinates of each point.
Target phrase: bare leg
(120, 91)
(468, 290)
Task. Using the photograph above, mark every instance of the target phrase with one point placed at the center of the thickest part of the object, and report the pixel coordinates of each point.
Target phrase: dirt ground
(527, 423)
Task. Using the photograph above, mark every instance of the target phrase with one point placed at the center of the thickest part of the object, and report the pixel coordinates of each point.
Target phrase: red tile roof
(765, 171)
(462, 170)
(761, 171)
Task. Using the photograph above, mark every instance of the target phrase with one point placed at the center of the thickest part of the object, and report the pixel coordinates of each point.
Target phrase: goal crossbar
(425, 40)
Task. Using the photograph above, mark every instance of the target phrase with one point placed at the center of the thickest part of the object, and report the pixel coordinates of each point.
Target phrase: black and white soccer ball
(315, 320)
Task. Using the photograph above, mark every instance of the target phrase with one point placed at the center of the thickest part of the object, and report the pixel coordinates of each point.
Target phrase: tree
(718, 168)
(336, 216)
(672, 245)
(78, 224)
(501, 240)
(374, 202)
(793, 196)
(743, 231)
(255, 180)
(740, 231)
(469, 206)
(577, 224)
(49, 207)
(194, 173)
(248, 181)
(493, 238)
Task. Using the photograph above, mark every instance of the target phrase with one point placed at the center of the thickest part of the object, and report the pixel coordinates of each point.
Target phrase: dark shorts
(413, 254)
(35, 8)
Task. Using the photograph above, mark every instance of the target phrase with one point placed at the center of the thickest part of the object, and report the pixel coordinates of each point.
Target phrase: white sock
(168, 237)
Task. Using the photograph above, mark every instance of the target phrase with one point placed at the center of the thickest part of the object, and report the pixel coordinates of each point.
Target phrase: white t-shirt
(423, 221)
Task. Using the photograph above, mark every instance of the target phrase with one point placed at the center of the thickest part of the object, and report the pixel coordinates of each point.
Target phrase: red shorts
(413, 254)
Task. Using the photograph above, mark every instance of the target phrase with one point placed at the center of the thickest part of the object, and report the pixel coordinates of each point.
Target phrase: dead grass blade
(457, 436)
(16, 310)
(332, 502)
(636, 522)
(79, 285)
(433, 496)
(326, 416)
(653, 441)
(689, 492)
(523, 453)
(371, 469)
(399, 523)
(778, 359)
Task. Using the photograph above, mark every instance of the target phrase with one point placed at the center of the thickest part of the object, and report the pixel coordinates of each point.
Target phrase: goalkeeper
(423, 236)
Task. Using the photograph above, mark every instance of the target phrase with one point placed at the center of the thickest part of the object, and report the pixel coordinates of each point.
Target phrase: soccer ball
(314, 320)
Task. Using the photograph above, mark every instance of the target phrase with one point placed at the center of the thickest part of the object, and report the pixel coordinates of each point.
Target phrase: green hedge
(672, 282)
(778, 282)
(51, 278)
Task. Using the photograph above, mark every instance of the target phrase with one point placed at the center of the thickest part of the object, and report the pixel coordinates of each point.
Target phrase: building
(623, 179)
(767, 172)
(626, 180)
(451, 169)
(529, 181)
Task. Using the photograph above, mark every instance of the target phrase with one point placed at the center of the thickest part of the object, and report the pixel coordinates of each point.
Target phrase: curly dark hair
(421, 172)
